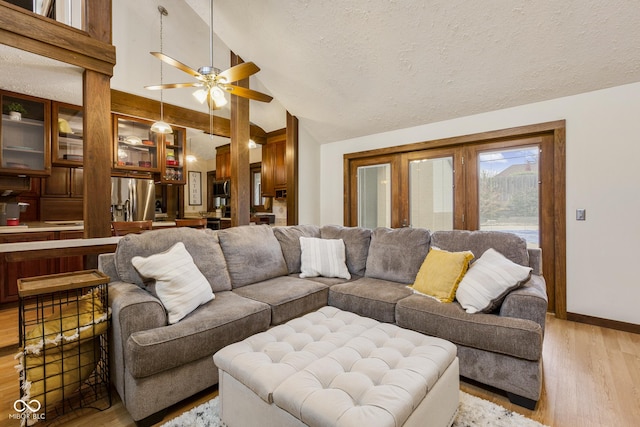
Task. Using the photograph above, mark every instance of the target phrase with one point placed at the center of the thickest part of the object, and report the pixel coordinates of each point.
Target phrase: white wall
(603, 176)
(310, 178)
(201, 166)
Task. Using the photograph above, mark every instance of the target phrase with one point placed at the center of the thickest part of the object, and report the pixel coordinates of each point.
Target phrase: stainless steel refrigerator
(132, 199)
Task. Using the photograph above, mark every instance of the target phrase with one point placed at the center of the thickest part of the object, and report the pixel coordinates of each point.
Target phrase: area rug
(472, 412)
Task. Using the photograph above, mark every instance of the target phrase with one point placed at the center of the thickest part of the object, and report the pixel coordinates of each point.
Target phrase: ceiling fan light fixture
(200, 95)
(218, 96)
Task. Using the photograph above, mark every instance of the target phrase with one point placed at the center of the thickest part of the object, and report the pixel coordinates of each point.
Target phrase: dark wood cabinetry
(61, 195)
(223, 162)
(63, 182)
(274, 171)
(12, 271)
(70, 263)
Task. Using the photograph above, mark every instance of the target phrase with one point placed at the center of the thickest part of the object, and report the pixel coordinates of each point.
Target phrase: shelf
(63, 136)
(22, 122)
(22, 150)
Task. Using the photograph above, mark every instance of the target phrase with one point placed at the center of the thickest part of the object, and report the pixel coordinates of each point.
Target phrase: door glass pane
(508, 192)
(374, 196)
(431, 193)
(257, 189)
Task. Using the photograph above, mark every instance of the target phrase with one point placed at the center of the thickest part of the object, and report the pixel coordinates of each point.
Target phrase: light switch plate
(581, 214)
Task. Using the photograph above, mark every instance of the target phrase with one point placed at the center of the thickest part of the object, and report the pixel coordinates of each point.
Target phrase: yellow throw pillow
(441, 272)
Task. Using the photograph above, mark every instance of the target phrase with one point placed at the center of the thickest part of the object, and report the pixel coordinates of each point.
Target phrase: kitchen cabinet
(12, 271)
(70, 263)
(138, 151)
(32, 197)
(174, 165)
(274, 167)
(63, 182)
(67, 135)
(135, 147)
(267, 174)
(25, 140)
(223, 162)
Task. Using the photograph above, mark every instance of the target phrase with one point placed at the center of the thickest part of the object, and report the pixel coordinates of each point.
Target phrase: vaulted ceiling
(349, 68)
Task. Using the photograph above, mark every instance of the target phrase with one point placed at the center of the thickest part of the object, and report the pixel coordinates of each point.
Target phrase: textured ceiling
(349, 68)
(355, 67)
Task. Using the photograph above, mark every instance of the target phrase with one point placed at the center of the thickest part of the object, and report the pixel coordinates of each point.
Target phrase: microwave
(222, 189)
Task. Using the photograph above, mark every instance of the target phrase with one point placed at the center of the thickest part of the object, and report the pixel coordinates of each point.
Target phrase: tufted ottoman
(335, 368)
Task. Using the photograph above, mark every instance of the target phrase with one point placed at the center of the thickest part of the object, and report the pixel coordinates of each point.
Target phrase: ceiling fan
(211, 81)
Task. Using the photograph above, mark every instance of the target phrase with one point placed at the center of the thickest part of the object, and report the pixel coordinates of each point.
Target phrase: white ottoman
(335, 368)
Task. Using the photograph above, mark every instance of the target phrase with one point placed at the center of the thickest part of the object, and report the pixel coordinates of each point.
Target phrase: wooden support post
(96, 100)
(292, 169)
(240, 173)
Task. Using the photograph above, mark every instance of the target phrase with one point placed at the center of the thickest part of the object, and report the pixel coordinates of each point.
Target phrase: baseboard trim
(607, 323)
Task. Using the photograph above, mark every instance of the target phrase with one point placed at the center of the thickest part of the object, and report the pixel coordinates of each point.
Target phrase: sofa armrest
(132, 309)
(528, 301)
(107, 264)
(535, 260)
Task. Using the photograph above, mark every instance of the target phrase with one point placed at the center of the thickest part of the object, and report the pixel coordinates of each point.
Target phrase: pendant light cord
(163, 12)
(211, 63)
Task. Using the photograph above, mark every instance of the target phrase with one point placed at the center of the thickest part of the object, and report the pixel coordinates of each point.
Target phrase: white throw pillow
(489, 280)
(180, 286)
(323, 257)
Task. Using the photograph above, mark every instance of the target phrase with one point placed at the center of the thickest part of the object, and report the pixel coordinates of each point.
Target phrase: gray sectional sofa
(254, 274)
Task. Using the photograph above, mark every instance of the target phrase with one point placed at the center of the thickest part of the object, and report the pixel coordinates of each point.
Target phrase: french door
(506, 184)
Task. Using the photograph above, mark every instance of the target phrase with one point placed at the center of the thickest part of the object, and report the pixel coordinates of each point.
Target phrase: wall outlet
(581, 214)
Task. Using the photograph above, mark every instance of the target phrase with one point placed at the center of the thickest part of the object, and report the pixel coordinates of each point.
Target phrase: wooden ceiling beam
(25, 30)
(138, 106)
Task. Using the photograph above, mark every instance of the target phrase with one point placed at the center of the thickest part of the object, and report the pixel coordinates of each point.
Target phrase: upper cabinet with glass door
(25, 135)
(173, 170)
(67, 135)
(135, 146)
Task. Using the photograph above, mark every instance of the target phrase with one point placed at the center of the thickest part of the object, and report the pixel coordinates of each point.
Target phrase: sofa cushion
(253, 254)
(323, 257)
(288, 296)
(289, 238)
(356, 242)
(179, 284)
(203, 246)
(397, 254)
(441, 272)
(514, 337)
(489, 280)
(222, 321)
(508, 244)
(369, 297)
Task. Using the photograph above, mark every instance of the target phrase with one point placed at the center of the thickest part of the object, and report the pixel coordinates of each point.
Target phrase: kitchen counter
(29, 227)
(32, 227)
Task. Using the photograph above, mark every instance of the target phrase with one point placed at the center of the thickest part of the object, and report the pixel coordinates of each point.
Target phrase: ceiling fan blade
(173, 85)
(246, 93)
(179, 65)
(238, 72)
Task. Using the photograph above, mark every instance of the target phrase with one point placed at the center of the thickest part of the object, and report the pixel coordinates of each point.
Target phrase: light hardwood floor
(591, 378)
